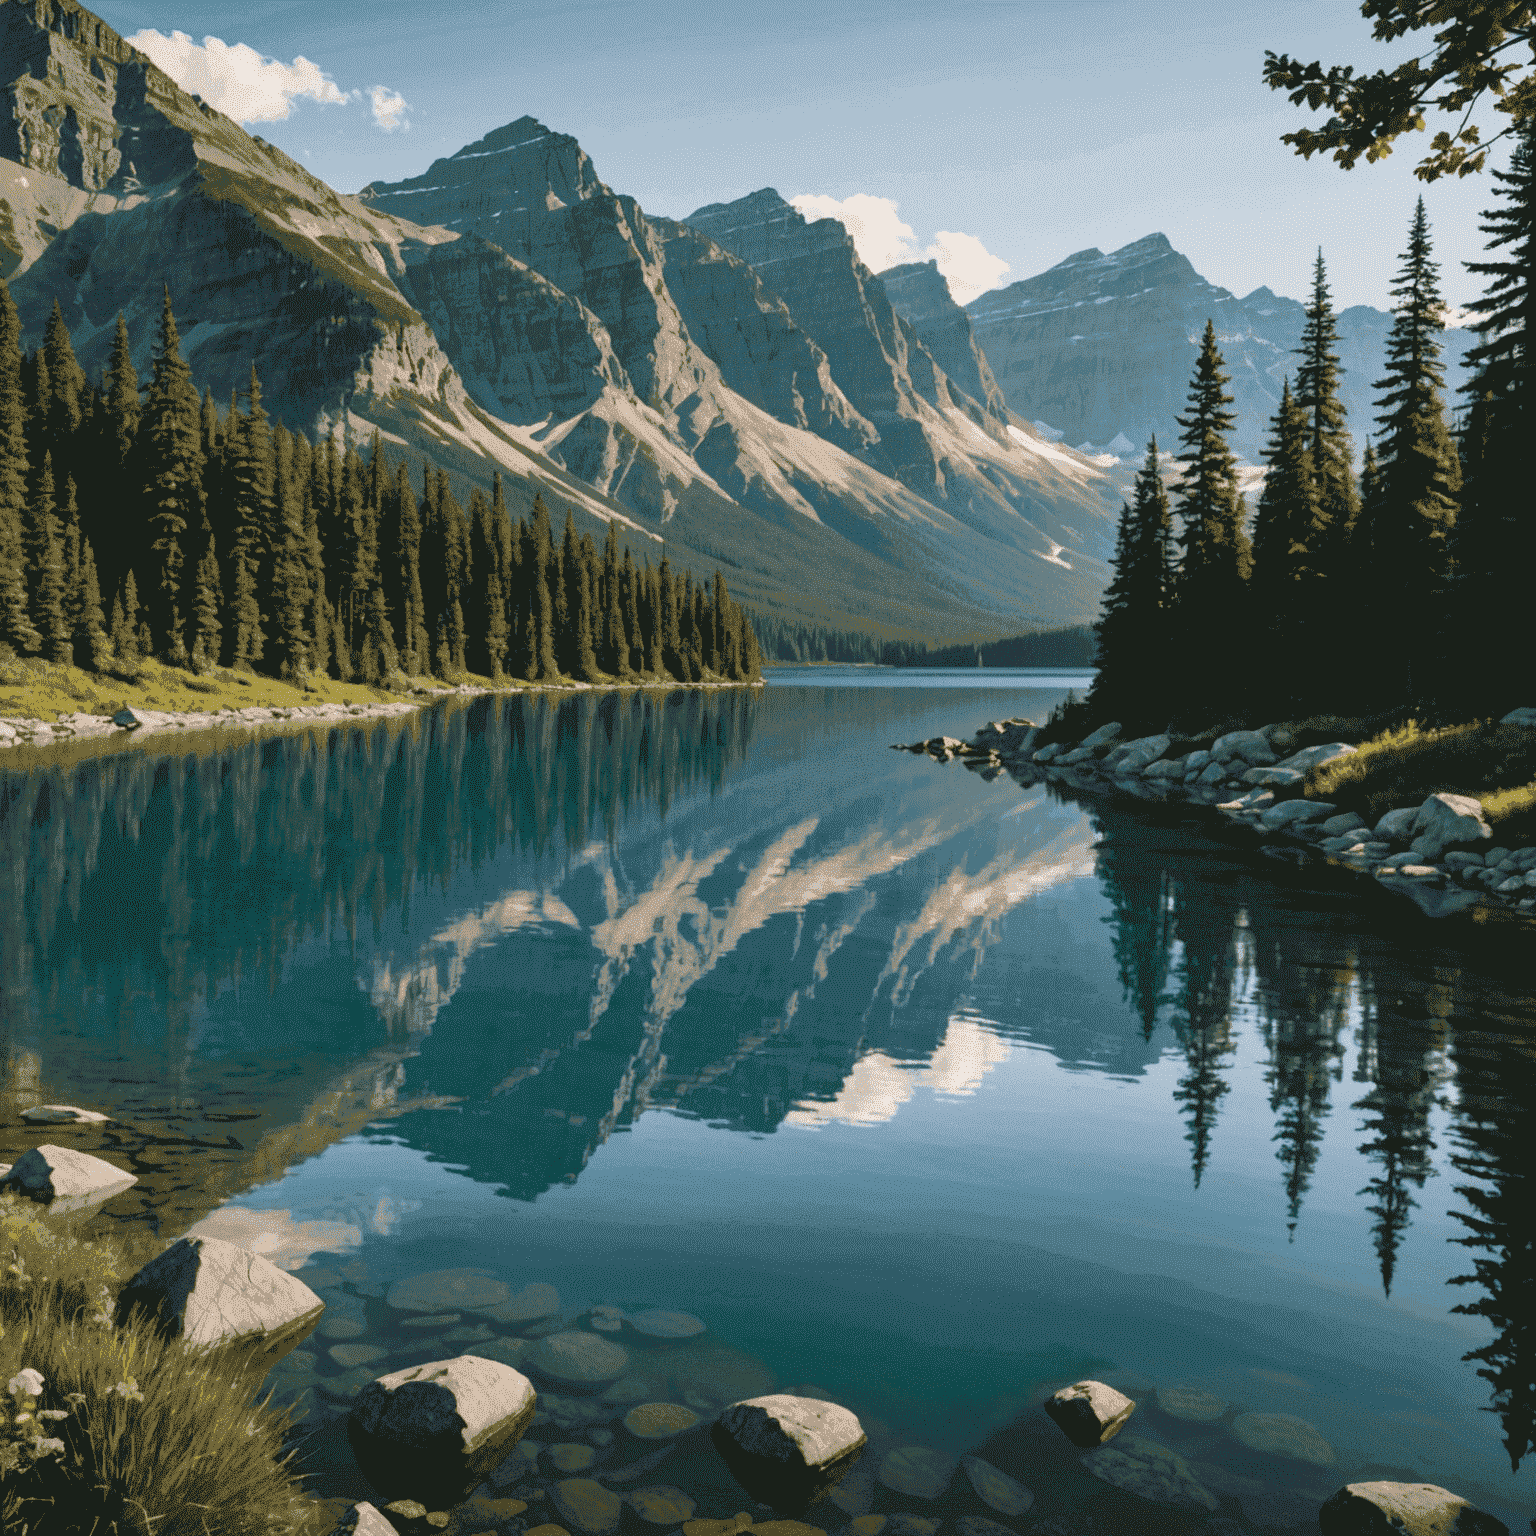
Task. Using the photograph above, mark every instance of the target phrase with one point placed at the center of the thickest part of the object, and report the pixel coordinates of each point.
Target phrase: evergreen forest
(146, 521)
(1398, 588)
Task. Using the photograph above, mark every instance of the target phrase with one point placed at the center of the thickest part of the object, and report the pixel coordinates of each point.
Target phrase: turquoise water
(926, 1090)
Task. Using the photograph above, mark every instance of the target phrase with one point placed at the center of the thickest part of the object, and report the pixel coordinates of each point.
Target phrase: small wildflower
(74, 1397)
(52, 1413)
(26, 1383)
(49, 1447)
(130, 1390)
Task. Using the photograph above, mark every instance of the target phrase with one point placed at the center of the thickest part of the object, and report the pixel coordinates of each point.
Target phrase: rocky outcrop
(788, 1450)
(920, 295)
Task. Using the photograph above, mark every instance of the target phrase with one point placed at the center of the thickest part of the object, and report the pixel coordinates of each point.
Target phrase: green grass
(130, 1434)
(1406, 764)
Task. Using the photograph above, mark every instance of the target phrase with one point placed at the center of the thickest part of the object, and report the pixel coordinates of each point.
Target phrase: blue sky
(1033, 129)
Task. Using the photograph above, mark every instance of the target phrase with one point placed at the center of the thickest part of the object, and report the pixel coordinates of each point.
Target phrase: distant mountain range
(738, 388)
(1101, 348)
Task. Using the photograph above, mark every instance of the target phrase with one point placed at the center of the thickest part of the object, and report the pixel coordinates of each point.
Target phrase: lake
(920, 1089)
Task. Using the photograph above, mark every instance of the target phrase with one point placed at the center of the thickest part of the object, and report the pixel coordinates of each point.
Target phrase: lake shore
(1436, 849)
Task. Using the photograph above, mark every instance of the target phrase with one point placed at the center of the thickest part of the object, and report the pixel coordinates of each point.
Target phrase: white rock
(364, 1520)
(1313, 757)
(63, 1179)
(62, 1114)
(440, 1426)
(1448, 821)
(1089, 1412)
(800, 1432)
(1403, 1509)
(213, 1293)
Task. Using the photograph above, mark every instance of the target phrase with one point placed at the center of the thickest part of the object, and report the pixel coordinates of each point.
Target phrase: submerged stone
(659, 1421)
(917, 1471)
(579, 1359)
(666, 1325)
(1190, 1405)
(1404, 1509)
(571, 1457)
(1283, 1435)
(445, 1290)
(530, 1305)
(661, 1504)
(587, 1506)
(1150, 1471)
(996, 1489)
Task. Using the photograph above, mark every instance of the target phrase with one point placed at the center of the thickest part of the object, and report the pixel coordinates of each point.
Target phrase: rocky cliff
(921, 296)
(1102, 348)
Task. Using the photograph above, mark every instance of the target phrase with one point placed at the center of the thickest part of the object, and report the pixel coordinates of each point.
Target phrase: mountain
(1102, 348)
(921, 296)
(509, 311)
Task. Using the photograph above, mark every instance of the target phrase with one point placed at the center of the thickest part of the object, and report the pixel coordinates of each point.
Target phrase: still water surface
(924, 1090)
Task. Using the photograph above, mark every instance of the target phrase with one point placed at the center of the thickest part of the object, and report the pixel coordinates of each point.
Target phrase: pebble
(530, 1305)
(659, 1421)
(587, 1506)
(571, 1458)
(341, 1327)
(439, 1290)
(1150, 1471)
(1283, 1435)
(508, 1351)
(579, 1358)
(349, 1355)
(996, 1489)
(344, 1388)
(661, 1504)
(666, 1325)
(917, 1471)
(431, 1320)
(1190, 1405)
(911, 1525)
(632, 1389)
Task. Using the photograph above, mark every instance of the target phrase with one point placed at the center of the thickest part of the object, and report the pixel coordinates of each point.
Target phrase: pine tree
(92, 648)
(205, 628)
(586, 656)
(545, 669)
(631, 584)
(1317, 392)
(1287, 540)
(16, 627)
(71, 542)
(127, 621)
(170, 448)
(62, 410)
(1494, 538)
(1214, 568)
(565, 588)
(1134, 630)
(252, 488)
(50, 615)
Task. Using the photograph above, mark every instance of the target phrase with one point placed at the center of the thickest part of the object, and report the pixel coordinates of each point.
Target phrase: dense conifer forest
(141, 522)
(788, 640)
(1401, 588)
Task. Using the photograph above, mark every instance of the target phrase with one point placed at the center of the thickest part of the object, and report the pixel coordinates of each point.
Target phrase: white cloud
(234, 78)
(884, 239)
(389, 108)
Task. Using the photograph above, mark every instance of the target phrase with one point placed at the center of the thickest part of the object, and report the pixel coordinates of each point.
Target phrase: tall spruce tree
(171, 475)
(16, 627)
(1494, 539)
(1404, 545)
(1214, 567)
(92, 648)
(50, 611)
(1318, 374)
(204, 626)
(1136, 666)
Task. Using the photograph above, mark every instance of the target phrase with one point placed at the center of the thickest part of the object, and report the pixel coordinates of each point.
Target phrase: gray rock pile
(1441, 853)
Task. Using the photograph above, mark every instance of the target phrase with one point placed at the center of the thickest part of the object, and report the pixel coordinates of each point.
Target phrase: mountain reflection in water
(495, 935)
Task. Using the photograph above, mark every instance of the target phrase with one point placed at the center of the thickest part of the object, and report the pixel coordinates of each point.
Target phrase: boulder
(917, 1471)
(1212, 773)
(1134, 756)
(1292, 813)
(530, 1305)
(1076, 755)
(1196, 761)
(446, 1290)
(126, 718)
(1403, 1509)
(64, 1180)
(581, 1359)
(1448, 821)
(1190, 1405)
(1101, 737)
(996, 1489)
(1165, 768)
(571, 1456)
(661, 1504)
(787, 1451)
(436, 1430)
(1050, 752)
(656, 1324)
(1150, 1471)
(62, 1114)
(214, 1294)
(659, 1421)
(1276, 778)
(1314, 757)
(1088, 1412)
(1395, 825)
(363, 1520)
(1526, 716)
(1283, 1435)
(585, 1505)
(1251, 746)
(1345, 821)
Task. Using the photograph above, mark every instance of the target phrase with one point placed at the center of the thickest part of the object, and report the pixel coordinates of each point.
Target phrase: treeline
(784, 641)
(164, 526)
(1405, 586)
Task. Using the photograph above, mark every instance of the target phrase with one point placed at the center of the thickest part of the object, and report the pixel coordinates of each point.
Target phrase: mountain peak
(765, 203)
(525, 131)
